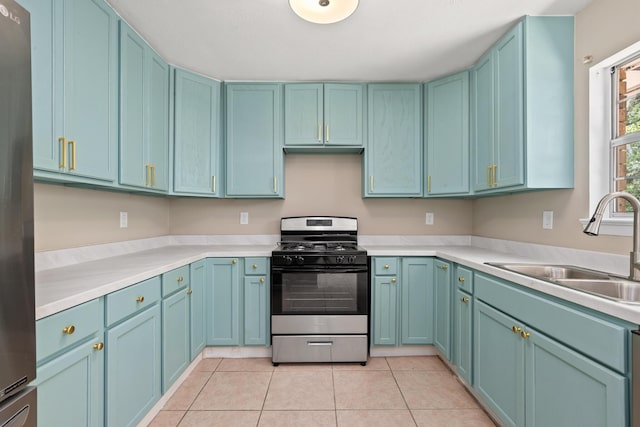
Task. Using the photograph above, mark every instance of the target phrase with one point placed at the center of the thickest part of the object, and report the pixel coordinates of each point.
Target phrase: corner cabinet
(402, 308)
(254, 156)
(197, 148)
(522, 109)
(75, 88)
(320, 115)
(447, 136)
(144, 114)
(393, 154)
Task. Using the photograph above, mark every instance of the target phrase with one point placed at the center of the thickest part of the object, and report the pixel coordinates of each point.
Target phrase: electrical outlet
(547, 220)
(429, 218)
(124, 220)
(244, 218)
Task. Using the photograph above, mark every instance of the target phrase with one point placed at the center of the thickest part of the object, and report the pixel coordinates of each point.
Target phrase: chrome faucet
(593, 227)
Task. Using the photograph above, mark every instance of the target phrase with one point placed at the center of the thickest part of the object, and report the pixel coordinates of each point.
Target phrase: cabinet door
(254, 156)
(71, 388)
(223, 301)
(447, 130)
(509, 104)
(482, 129)
(394, 147)
(417, 301)
(133, 157)
(499, 363)
(343, 114)
(175, 337)
(133, 368)
(463, 334)
(565, 388)
(303, 114)
(197, 150)
(384, 316)
(442, 301)
(157, 120)
(256, 310)
(90, 88)
(197, 282)
(46, 147)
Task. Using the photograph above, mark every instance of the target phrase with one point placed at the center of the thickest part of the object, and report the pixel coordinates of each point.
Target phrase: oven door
(319, 291)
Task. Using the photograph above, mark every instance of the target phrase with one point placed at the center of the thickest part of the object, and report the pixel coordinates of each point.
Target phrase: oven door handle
(319, 343)
(318, 270)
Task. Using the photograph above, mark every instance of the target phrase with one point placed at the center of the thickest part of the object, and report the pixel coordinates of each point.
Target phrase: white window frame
(600, 118)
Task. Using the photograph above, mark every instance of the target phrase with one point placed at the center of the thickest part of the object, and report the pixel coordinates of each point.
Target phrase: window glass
(625, 143)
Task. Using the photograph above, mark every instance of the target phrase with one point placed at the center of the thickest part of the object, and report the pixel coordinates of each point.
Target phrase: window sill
(613, 226)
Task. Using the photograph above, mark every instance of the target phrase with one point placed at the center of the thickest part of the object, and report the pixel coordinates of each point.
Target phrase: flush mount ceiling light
(324, 11)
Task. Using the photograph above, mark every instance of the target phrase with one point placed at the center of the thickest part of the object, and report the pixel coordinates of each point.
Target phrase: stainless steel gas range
(319, 292)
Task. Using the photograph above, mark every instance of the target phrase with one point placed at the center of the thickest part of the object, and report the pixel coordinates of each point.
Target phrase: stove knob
(287, 260)
(352, 259)
(339, 259)
(299, 260)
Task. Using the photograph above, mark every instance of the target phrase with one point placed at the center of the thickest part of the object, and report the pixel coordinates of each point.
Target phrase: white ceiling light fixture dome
(324, 11)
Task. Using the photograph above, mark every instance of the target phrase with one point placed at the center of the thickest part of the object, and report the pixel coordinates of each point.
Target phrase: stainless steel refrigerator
(17, 302)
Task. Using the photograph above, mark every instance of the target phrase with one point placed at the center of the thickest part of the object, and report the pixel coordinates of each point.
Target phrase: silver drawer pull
(319, 342)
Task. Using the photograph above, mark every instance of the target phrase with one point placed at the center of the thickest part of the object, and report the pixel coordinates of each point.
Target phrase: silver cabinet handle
(319, 343)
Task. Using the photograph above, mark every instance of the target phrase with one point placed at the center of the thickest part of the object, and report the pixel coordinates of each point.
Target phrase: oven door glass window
(320, 293)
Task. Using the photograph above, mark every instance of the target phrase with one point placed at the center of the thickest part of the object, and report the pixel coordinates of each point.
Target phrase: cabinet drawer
(385, 266)
(62, 330)
(174, 280)
(255, 266)
(464, 279)
(127, 301)
(600, 339)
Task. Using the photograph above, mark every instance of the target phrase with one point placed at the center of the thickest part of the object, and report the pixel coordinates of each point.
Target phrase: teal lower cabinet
(223, 301)
(402, 311)
(540, 363)
(133, 346)
(442, 307)
(176, 320)
(462, 344)
(197, 304)
(463, 335)
(256, 301)
(237, 301)
(70, 372)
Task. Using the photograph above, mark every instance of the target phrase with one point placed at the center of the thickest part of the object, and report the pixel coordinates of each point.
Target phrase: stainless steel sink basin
(552, 272)
(580, 279)
(617, 289)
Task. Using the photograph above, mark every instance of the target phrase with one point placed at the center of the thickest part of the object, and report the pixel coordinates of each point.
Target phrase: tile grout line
(335, 400)
(266, 393)
(393, 374)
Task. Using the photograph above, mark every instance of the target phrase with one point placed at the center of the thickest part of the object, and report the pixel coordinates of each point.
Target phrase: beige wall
(601, 29)
(321, 185)
(68, 217)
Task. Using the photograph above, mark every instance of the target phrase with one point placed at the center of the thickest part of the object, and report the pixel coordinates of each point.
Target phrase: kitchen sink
(581, 279)
(617, 289)
(551, 272)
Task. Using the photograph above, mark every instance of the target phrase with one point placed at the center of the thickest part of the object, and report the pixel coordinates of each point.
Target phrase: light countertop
(60, 288)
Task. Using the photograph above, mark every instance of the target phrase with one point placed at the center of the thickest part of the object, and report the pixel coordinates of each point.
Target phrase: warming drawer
(320, 348)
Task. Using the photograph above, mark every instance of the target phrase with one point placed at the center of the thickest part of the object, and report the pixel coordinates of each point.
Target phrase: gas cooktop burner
(318, 246)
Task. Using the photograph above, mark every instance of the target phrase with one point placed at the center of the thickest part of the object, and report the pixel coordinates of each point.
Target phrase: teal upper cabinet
(197, 149)
(144, 114)
(522, 109)
(74, 73)
(321, 115)
(447, 135)
(393, 155)
(254, 157)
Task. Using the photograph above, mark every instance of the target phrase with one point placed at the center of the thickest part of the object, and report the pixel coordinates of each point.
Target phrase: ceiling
(394, 40)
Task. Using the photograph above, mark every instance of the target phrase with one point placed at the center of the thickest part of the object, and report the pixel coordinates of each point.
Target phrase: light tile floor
(391, 391)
